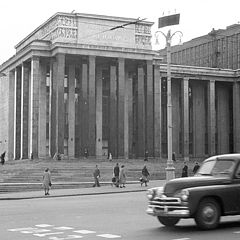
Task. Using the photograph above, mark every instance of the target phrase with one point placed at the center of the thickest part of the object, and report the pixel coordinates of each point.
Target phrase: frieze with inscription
(57, 24)
(63, 33)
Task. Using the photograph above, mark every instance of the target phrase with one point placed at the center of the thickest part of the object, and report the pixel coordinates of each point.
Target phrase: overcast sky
(18, 18)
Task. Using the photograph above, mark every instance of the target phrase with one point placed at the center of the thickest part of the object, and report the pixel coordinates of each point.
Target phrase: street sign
(169, 20)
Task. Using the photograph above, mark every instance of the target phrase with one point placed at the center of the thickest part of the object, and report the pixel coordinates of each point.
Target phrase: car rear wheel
(208, 214)
(168, 221)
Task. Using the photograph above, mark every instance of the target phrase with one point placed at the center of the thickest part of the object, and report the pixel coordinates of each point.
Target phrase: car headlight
(150, 194)
(153, 192)
(184, 194)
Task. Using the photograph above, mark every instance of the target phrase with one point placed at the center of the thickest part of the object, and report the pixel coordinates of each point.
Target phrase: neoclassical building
(83, 81)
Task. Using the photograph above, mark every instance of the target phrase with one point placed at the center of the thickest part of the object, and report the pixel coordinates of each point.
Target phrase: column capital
(121, 60)
(212, 81)
(35, 58)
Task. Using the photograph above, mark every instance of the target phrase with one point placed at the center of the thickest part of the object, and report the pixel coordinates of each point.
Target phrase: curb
(85, 191)
(69, 195)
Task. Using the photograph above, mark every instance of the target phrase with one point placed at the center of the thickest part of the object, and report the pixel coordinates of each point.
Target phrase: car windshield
(217, 167)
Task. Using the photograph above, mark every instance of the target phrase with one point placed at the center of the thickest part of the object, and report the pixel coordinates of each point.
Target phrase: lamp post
(170, 170)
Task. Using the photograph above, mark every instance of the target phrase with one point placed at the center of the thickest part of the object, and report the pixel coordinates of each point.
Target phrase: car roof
(230, 156)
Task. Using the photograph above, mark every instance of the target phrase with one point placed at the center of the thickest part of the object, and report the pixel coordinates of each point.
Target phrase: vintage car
(214, 191)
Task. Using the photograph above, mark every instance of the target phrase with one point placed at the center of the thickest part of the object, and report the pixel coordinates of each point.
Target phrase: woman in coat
(46, 181)
(122, 177)
(185, 170)
(145, 175)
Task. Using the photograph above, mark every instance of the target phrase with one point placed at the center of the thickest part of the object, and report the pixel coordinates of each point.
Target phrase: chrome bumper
(168, 207)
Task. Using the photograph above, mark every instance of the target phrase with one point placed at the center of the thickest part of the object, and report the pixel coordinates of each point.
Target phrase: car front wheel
(208, 214)
(168, 221)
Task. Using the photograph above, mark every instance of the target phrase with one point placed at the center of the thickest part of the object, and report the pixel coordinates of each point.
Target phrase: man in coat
(116, 171)
(96, 175)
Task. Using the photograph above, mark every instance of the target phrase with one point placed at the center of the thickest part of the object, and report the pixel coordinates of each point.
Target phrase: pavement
(106, 188)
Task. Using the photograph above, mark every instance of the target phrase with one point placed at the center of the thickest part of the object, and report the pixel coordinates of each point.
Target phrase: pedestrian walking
(174, 156)
(145, 176)
(47, 183)
(3, 157)
(96, 175)
(110, 157)
(185, 170)
(115, 179)
(86, 153)
(122, 177)
(146, 156)
(195, 168)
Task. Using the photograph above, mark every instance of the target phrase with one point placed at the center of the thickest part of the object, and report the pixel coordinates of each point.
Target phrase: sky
(197, 18)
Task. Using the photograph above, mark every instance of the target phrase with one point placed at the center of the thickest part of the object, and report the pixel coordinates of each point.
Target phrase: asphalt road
(111, 216)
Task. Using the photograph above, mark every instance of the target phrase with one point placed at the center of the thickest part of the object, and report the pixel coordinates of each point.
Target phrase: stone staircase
(26, 175)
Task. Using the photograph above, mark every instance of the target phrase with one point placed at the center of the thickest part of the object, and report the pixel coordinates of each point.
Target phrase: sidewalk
(133, 186)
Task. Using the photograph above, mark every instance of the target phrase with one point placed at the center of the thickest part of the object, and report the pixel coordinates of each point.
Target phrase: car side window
(237, 175)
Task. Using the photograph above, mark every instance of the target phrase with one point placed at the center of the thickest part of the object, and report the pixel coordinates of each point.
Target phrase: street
(108, 216)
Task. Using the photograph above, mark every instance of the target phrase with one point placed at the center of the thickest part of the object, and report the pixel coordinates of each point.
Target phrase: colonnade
(65, 104)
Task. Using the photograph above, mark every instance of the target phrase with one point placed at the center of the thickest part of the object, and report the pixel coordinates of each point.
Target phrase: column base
(170, 171)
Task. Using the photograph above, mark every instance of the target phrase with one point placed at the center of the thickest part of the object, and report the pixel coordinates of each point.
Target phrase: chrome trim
(168, 206)
(174, 213)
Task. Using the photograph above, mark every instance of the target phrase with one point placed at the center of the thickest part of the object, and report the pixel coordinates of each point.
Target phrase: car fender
(196, 194)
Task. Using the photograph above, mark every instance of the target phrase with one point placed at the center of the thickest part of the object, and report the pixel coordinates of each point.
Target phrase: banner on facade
(168, 20)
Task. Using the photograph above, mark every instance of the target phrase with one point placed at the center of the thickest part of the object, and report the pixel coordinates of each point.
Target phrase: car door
(236, 183)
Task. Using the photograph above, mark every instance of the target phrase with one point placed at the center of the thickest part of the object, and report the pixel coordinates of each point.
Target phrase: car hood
(177, 184)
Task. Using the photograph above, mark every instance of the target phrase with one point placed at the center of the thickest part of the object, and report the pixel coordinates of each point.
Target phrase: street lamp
(170, 170)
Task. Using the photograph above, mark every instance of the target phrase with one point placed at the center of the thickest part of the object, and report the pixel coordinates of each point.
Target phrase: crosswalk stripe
(84, 231)
(108, 236)
(63, 228)
(44, 225)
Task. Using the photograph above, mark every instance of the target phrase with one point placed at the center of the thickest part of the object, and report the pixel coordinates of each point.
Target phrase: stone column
(176, 115)
(129, 90)
(17, 114)
(113, 111)
(99, 143)
(149, 110)
(157, 112)
(11, 115)
(52, 108)
(92, 107)
(25, 79)
(236, 117)
(211, 118)
(60, 112)
(121, 95)
(198, 119)
(42, 151)
(185, 127)
(223, 118)
(71, 111)
(126, 122)
(34, 108)
(140, 113)
(84, 107)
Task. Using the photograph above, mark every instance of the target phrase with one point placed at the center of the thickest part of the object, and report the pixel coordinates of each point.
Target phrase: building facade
(217, 49)
(82, 81)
